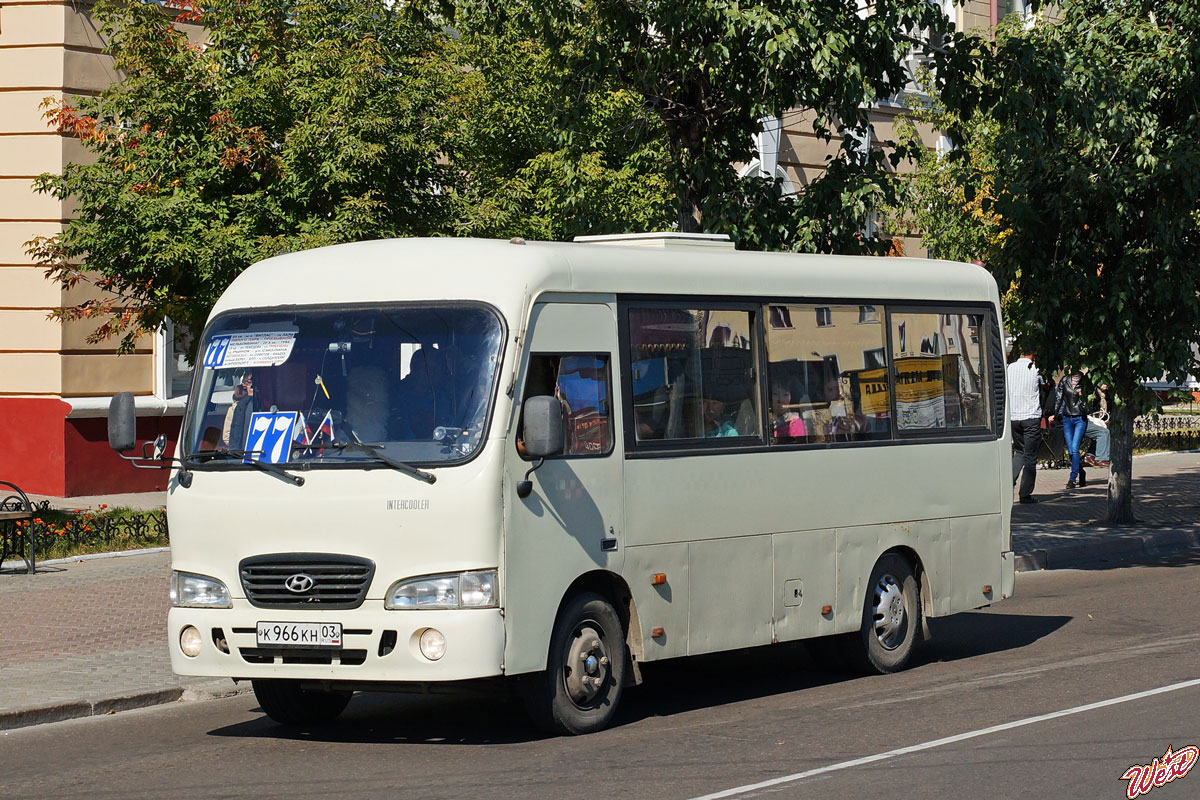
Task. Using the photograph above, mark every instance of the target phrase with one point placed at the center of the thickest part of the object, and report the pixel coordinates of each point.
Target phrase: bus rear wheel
(891, 617)
(288, 704)
(585, 670)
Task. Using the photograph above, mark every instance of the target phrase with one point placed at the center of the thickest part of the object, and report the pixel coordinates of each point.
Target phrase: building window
(867, 314)
(174, 364)
(824, 317)
(781, 318)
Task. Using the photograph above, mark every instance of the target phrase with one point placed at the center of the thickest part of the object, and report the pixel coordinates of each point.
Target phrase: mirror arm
(185, 475)
(525, 486)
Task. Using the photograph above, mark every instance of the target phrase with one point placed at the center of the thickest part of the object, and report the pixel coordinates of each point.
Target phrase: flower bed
(58, 534)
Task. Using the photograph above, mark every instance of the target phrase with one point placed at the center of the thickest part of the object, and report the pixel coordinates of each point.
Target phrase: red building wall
(45, 452)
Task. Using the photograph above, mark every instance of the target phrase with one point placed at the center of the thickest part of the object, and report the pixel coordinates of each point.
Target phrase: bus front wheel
(585, 669)
(288, 704)
(891, 617)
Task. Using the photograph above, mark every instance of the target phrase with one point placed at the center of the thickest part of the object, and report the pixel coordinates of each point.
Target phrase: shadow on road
(975, 633)
(670, 688)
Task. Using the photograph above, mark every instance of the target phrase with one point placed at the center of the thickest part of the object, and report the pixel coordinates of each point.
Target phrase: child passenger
(786, 424)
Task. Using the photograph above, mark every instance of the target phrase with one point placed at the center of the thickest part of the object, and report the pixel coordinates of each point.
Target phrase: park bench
(16, 526)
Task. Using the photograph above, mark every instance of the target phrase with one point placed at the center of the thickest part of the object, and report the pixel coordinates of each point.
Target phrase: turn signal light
(826, 609)
(987, 589)
(657, 633)
(659, 579)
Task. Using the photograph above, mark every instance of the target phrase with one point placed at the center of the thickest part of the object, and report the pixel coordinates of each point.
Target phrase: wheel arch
(926, 594)
(613, 588)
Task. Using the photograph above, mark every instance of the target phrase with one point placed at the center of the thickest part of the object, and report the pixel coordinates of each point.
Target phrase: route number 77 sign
(271, 436)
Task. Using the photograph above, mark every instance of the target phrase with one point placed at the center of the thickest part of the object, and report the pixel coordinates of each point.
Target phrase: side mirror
(122, 422)
(543, 431)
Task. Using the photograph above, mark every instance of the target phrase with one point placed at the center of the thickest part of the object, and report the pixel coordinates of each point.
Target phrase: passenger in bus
(237, 418)
(786, 425)
(367, 403)
(716, 422)
(819, 420)
(426, 396)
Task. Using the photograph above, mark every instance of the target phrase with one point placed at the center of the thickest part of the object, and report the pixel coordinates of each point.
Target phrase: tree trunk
(1120, 478)
(687, 215)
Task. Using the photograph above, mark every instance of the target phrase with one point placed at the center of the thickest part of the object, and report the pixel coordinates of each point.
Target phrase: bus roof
(505, 273)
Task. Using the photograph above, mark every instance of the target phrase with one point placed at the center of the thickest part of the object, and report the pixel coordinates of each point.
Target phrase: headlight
(198, 591)
(465, 590)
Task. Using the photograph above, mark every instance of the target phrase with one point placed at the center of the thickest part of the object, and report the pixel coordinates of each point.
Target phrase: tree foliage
(1083, 156)
(539, 155)
(711, 69)
(298, 123)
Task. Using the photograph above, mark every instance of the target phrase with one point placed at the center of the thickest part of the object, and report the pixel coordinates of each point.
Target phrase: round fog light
(189, 641)
(433, 644)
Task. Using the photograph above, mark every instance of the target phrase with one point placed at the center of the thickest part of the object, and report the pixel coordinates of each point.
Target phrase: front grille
(337, 581)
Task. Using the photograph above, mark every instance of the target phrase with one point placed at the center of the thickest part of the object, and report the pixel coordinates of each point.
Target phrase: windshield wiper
(265, 466)
(373, 450)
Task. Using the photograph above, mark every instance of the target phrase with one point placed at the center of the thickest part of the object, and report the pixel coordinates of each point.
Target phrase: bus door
(571, 523)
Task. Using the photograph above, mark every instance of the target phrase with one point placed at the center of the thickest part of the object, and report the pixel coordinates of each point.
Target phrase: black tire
(891, 618)
(571, 697)
(288, 704)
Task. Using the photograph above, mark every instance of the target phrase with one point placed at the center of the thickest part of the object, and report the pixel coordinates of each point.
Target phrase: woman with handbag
(1071, 404)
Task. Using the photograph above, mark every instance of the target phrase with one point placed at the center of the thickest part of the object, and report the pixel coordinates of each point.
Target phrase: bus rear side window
(940, 374)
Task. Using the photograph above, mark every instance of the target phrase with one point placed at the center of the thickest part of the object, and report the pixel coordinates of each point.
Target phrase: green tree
(711, 69)
(298, 123)
(538, 156)
(1083, 149)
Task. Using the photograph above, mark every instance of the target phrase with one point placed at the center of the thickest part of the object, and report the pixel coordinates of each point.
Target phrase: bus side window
(582, 384)
(693, 376)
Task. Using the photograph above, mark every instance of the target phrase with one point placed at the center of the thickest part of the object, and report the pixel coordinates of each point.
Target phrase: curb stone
(78, 709)
(1075, 554)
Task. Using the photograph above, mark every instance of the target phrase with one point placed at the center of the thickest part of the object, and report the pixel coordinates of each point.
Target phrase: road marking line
(916, 748)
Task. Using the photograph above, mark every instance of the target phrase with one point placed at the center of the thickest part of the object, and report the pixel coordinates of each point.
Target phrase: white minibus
(426, 463)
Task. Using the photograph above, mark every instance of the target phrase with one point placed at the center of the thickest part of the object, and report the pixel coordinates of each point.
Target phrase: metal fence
(1161, 423)
(98, 529)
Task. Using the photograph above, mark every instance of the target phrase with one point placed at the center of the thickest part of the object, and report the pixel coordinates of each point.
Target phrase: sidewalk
(89, 637)
(1063, 529)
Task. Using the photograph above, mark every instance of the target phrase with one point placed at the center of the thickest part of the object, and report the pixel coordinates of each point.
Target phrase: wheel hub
(889, 614)
(586, 673)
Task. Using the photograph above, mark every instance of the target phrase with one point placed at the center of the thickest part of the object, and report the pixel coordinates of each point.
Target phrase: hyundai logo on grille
(299, 583)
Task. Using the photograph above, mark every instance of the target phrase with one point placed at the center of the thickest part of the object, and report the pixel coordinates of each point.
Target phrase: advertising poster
(920, 402)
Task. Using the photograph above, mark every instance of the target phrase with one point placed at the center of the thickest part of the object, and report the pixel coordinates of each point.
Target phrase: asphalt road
(993, 682)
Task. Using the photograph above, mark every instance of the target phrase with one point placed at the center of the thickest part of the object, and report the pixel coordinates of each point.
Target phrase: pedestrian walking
(1070, 403)
(1025, 413)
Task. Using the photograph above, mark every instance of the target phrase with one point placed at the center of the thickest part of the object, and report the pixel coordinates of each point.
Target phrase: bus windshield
(413, 382)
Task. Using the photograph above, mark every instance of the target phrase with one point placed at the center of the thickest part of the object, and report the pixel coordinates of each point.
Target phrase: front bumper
(474, 644)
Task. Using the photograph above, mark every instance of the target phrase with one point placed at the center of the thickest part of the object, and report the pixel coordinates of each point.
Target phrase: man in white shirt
(1025, 411)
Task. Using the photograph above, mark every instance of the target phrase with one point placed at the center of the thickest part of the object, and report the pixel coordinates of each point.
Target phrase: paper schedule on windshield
(256, 349)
